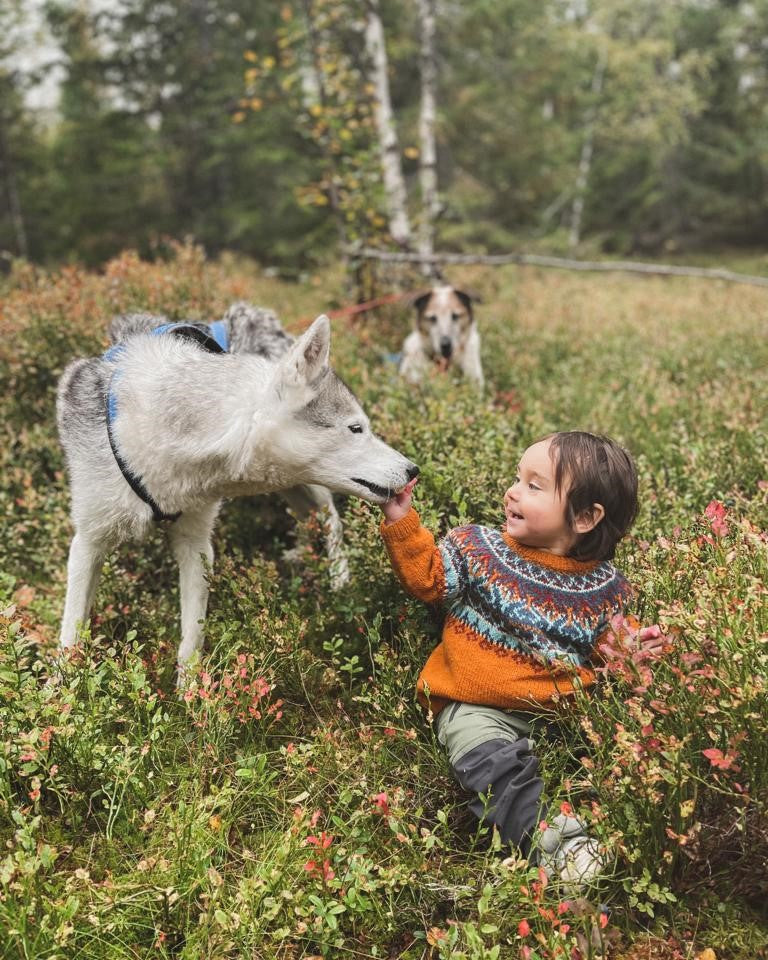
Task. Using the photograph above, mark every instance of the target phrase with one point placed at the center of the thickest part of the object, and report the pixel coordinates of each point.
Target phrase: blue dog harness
(211, 337)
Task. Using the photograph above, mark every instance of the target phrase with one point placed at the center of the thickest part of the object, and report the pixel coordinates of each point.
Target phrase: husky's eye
(432, 318)
(356, 427)
(455, 317)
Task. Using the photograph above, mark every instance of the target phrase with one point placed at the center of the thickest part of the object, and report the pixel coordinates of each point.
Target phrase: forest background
(294, 803)
(240, 124)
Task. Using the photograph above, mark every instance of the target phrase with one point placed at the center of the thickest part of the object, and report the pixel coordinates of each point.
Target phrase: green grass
(295, 802)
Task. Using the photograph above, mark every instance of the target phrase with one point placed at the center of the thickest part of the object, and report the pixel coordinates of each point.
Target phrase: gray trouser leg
(506, 774)
(490, 752)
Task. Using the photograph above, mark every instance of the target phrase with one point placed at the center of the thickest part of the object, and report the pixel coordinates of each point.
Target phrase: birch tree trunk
(394, 185)
(587, 148)
(430, 204)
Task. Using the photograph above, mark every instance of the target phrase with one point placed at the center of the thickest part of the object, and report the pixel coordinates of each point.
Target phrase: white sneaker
(580, 863)
(565, 850)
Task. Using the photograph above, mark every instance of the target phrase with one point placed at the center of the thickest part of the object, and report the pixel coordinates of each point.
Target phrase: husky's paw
(185, 675)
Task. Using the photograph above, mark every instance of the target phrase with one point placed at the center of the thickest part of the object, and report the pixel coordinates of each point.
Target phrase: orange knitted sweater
(521, 624)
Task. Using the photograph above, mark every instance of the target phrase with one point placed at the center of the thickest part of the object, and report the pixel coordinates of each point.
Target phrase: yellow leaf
(411, 152)
(707, 954)
(214, 822)
(250, 56)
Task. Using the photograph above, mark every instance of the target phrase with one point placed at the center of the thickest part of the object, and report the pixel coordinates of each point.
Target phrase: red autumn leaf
(723, 761)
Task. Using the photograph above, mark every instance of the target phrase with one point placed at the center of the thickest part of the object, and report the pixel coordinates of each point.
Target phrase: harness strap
(134, 482)
(220, 333)
(212, 338)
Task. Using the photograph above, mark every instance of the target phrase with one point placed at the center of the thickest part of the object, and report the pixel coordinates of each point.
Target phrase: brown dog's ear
(467, 297)
(419, 300)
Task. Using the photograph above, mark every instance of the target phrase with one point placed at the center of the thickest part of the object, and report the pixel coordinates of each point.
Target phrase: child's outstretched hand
(396, 508)
(651, 640)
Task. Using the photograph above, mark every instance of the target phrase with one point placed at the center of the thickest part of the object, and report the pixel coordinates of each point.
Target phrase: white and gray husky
(169, 422)
(247, 328)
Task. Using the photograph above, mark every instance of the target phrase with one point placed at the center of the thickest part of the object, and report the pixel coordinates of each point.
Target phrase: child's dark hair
(593, 469)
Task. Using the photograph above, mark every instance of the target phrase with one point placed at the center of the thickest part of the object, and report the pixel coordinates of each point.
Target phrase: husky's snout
(446, 347)
(412, 471)
(380, 494)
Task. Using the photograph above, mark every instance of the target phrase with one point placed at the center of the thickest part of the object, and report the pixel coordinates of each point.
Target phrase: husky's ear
(308, 357)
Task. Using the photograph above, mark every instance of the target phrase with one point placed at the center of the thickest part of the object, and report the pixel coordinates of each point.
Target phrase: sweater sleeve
(427, 571)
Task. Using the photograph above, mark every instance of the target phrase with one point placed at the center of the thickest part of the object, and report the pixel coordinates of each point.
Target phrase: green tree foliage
(104, 187)
(319, 68)
(179, 65)
(248, 126)
(508, 93)
(726, 186)
(652, 93)
(16, 139)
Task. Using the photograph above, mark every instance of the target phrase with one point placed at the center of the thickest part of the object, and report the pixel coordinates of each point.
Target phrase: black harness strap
(199, 334)
(134, 482)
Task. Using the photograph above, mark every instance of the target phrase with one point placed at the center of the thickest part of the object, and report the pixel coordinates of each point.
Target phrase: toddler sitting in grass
(525, 609)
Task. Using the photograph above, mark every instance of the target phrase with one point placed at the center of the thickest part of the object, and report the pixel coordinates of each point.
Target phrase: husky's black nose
(446, 346)
(412, 471)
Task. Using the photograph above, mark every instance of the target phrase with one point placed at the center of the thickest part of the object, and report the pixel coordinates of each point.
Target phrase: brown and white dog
(444, 335)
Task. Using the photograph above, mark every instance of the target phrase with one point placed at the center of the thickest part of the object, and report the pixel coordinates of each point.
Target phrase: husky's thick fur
(444, 335)
(248, 328)
(197, 427)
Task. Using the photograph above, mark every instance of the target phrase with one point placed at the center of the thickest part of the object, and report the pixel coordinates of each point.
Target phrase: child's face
(535, 511)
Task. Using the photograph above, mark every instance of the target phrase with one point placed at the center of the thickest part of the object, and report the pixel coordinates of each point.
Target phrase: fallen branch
(536, 260)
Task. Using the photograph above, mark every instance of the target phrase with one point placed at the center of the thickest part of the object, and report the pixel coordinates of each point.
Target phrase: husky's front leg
(190, 537)
(83, 570)
(302, 501)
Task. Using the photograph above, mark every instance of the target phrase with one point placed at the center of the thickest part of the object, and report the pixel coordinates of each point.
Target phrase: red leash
(362, 307)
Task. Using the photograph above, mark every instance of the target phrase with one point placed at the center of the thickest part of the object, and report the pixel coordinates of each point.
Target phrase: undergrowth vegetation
(294, 801)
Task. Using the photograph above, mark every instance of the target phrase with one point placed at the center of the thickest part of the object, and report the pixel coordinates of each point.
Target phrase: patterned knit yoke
(527, 600)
